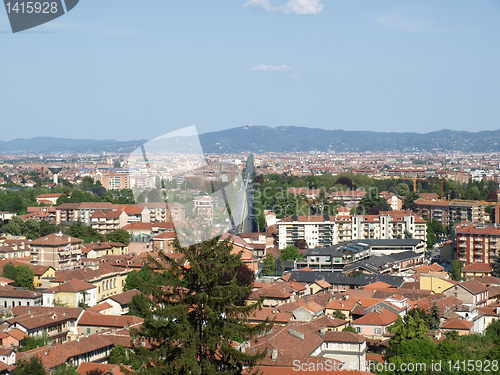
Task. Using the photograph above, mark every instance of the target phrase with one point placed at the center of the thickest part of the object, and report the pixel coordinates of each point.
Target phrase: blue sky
(126, 69)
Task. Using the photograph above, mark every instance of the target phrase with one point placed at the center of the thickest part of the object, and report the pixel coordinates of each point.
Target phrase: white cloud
(264, 4)
(302, 7)
(270, 68)
(402, 23)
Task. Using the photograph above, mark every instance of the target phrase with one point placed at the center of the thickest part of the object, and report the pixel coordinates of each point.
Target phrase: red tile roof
(72, 286)
(56, 239)
(114, 321)
(457, 324)
(384, 318)
(478, 267)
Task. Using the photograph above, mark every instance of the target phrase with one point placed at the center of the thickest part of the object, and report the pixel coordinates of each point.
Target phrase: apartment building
(153, 212)
(108, 221)
(57, 250)
(113, 181)
(326, 230)
(447, 212)
(475, 242)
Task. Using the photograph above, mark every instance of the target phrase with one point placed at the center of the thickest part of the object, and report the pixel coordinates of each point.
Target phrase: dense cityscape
(346, 256)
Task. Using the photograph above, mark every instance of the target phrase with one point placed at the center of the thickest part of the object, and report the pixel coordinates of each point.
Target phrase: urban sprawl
(360, 261)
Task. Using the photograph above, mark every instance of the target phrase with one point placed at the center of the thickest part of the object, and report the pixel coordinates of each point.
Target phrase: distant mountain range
(281, 139)
(292, 138)
(51, 145)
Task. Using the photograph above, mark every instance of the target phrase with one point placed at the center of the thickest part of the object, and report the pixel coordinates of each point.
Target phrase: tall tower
(55, 169)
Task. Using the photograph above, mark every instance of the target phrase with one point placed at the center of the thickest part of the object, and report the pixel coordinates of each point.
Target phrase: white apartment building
(326, 230)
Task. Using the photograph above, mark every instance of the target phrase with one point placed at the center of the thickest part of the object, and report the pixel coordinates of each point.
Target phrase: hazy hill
(282, 139)
(293, 138)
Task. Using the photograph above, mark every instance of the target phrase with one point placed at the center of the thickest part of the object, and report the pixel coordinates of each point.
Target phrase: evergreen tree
(456, 270)
(279, 269)
(436, 316)
(496, 267)
(269, 268)
(192, 319)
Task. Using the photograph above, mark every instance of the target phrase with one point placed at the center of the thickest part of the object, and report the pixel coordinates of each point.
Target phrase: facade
(476, 243)
(375, 324)
(162, 212)
(109, 280)
(57, 250)
(326, 230)
(108, 221)
(48, 199)
(113, 181)
(71, 294)
(470, 292)
(67, 213)
(13, 297)
(95, 250)
(448, 212)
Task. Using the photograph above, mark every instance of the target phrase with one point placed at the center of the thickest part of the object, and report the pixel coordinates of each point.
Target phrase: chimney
(322, 331)
(274, 354)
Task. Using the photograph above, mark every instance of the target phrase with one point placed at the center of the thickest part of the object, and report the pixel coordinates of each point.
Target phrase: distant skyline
(129, 70)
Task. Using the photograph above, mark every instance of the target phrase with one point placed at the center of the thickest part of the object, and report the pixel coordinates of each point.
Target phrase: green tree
(289, 253)
(436, 316)
(118, 355)
(456, 270)
(14, 226)
(32, 367)
(409, 199)
(338, 314)
(65, 369)
(279, 269)
(403, 189)
(139, 306)
(25, 276)
(120, 235)
(496, 267)
(193, 318)
(33, 342)
(404, 330)
(9, 271)
(269, 268)
(140, 280)
(349, 328)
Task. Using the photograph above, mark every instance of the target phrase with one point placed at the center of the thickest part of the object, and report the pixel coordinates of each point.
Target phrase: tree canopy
(193, 319)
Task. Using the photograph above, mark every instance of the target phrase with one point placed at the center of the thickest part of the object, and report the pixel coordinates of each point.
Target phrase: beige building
(108, 221)
(57, 250)
(107, 279)
(100, 249)
(113, 181)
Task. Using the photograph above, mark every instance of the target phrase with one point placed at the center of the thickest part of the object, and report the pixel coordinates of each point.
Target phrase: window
(358, 329)
(378, 331)
(88, 331)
